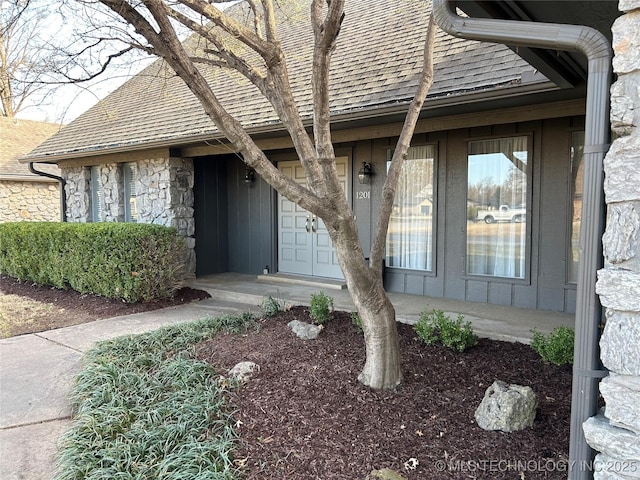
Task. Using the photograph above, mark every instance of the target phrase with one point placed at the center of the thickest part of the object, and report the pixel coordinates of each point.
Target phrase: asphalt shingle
(18, 137)
(376, 64)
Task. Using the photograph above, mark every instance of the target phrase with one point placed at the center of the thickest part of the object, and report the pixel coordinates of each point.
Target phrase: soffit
(566, 69)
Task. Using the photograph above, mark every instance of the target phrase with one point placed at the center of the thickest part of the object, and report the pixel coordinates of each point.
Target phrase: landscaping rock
(243, 371)
(507, 407)
(384, 474)
(305, 331)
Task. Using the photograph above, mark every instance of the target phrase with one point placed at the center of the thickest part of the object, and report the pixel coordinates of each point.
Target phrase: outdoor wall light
(365, 173)
(249, 176)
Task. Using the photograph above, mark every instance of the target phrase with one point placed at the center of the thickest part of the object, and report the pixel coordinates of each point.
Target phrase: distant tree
(252, 48)
(23, 54)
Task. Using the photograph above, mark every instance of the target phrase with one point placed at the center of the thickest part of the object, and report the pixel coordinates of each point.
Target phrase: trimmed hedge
(130, 261)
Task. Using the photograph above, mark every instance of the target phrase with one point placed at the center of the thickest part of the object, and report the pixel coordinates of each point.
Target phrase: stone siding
(111, 179)
(77, 189)
(616, 433)
(29, 201)
(163, 190)
(164, 195)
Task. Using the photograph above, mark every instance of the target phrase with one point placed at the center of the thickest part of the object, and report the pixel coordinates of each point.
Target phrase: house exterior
(500, 128)
(25, 196)
(148, 153)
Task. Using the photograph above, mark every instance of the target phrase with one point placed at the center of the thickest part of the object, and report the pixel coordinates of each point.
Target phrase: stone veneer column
(110, 176)
(616, 434)
(165, 197)
(77, 190)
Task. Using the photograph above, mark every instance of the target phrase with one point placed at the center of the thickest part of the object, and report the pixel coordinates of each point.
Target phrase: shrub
(436, 327)
(321, 308)
(357, 322)
(271, 306)
(557, 347)
(117, 260)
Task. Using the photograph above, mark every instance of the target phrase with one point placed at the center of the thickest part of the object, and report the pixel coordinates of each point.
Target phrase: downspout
(63, 195)
(586, 367)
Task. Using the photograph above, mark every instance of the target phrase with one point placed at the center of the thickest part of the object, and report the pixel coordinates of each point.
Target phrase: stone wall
(164, 196)
(111, 179)
(616, 434)
(77, 189)
(29, 201)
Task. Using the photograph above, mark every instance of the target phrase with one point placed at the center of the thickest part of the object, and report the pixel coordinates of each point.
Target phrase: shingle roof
(18, 137)
(376, 65)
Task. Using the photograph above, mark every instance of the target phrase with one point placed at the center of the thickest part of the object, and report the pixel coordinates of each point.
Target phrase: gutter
(587, 369)
(63, 196)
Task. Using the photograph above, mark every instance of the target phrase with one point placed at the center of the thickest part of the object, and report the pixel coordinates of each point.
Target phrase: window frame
(97, 192)
(434, 214)
(568, 283)
(526, 279)
(129, 174)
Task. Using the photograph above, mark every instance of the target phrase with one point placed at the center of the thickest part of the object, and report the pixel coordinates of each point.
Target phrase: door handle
(306, 224)
(313, 224)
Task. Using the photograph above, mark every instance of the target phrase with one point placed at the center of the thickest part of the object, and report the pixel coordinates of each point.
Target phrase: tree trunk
(382, 369)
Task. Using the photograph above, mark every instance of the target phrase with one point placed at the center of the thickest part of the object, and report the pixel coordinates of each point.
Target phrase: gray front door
(304, 246)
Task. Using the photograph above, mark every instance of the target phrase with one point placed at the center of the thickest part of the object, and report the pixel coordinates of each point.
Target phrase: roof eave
(364, 113)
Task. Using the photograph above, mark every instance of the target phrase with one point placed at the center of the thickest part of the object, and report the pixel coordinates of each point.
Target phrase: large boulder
(243, 371)
(305, 331)
(507, 407)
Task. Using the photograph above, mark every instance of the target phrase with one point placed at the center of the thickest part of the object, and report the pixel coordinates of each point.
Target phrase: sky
(71, 100)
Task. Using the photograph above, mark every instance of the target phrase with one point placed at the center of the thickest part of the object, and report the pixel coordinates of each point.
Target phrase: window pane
(577, 149)
(96, 195)
(497, 207)
(410, 235)
(130, 212)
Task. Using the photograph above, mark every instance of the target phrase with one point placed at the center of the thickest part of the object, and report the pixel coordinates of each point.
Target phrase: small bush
(357, 322)
(271, 306)
(436, 327)
(116, 260)
(557, 347)
(321, 308)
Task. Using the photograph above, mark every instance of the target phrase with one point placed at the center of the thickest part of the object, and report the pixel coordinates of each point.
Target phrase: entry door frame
(308, 240)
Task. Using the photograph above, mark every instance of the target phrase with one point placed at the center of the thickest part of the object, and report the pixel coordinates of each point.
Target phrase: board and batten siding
(545, 285)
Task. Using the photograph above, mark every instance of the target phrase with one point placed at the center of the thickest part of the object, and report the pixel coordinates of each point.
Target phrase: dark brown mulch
(305, 416)
(75, 308)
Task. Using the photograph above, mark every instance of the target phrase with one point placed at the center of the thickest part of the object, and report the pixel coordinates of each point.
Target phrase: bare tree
(22, 54)
(253, 49)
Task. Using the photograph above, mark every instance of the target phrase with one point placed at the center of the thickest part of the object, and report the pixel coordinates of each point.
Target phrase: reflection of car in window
(503, 214)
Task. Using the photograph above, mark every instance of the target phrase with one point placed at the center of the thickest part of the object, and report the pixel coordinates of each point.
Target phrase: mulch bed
(305, 415)
(79, 308)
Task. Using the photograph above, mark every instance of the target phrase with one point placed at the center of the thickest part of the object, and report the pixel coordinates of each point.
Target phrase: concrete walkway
(37, 370)
(36, 374)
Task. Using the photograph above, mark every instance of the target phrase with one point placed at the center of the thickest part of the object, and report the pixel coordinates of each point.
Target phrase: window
(410, 234)
(577, 166)
(129, 176)
(497, 183)
(97, 193)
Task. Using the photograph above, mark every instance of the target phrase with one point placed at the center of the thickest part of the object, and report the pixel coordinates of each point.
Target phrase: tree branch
(262, 47)
(402, 146)
(167, 45)
(228, 57)
(325, 34)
